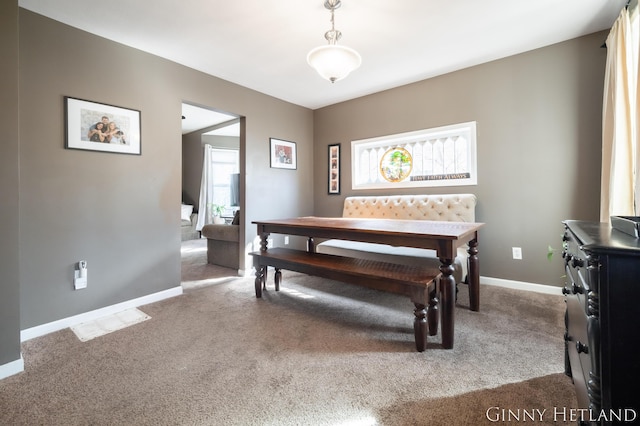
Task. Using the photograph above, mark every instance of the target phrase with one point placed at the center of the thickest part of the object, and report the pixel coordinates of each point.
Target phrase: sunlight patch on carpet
(190, 285)
(110, 323)
(297, 293)
(195, 249)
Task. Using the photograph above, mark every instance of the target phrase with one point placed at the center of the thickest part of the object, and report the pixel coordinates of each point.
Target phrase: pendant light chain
(332, 35)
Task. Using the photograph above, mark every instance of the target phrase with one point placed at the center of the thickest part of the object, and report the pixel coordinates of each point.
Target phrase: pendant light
(333, 62)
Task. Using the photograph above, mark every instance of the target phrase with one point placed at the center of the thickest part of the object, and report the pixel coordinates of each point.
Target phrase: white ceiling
(263, 45)
(230, 130)
(196, 118)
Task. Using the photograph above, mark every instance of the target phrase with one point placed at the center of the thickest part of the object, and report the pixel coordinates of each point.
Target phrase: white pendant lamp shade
(334, 62)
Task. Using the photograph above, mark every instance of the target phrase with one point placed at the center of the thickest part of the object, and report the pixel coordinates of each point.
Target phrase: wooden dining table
(442, 236)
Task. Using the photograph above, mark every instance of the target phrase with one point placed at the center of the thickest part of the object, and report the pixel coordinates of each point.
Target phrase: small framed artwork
(334, 169)
(94, 126)
(283, 154)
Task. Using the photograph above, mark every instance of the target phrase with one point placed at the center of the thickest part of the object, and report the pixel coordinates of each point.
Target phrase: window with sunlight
(224, 177)
(219, 185)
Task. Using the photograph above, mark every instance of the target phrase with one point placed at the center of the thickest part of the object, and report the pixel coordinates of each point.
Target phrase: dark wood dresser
(602, 338)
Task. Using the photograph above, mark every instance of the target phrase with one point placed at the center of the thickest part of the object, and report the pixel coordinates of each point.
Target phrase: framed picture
(283, 154)
(94, 126)
(334, 169)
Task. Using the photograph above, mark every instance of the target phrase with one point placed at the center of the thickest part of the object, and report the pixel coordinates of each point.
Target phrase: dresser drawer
(576, 290)
(577, 336)
(575, 266)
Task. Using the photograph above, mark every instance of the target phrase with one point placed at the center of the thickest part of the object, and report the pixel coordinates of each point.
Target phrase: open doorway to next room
(210, 174)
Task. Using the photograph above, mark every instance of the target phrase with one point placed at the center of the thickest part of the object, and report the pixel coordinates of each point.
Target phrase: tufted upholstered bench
(442, 207)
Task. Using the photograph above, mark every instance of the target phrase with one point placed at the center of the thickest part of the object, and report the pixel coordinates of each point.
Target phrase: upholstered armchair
(223, 243)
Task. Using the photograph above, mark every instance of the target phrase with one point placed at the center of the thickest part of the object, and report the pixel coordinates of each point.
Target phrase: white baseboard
(520, 285)
(41, 330)
(11, 368)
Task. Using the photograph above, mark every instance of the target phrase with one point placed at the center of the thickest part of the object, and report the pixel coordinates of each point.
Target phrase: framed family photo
(283, 154)
(94, 126)
(334, 169)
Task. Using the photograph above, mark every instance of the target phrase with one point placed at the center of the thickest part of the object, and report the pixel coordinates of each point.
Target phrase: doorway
(212, 130)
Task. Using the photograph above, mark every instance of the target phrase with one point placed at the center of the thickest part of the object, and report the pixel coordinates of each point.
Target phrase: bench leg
(420, 326)
(433, 317)
(277, 278)
(260, 277)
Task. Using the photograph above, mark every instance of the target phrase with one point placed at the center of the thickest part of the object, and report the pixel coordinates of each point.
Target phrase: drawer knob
(582, 348)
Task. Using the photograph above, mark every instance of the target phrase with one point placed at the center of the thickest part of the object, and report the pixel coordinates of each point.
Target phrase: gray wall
(121, 212)
(9, 209)
(192, 154)
(538, 130)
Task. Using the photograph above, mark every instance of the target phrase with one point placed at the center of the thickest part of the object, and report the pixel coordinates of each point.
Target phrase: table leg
(474, 276)
(447, 302)
(264, 240)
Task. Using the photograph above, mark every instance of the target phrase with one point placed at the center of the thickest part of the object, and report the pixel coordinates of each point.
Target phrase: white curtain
(206, 189)
(619, 186)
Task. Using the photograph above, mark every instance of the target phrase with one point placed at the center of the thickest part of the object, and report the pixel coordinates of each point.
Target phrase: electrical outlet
(286, 240)
(517, 252)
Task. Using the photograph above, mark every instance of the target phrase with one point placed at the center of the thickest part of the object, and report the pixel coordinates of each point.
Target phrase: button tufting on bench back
(446, 207)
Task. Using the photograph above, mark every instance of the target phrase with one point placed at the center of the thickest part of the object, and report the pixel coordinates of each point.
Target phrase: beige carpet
(315, 353)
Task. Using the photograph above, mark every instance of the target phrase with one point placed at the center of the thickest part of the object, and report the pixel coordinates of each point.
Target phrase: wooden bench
(418, 283)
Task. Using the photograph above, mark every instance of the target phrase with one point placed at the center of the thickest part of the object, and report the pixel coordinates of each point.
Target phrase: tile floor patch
(105, 325)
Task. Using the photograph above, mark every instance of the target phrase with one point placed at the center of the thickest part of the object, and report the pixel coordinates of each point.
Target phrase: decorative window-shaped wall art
(443, 156)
